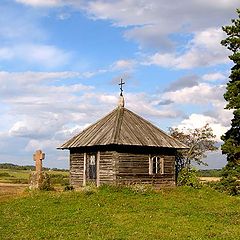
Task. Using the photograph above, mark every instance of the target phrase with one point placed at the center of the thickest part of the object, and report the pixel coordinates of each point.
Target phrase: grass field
(121, 213)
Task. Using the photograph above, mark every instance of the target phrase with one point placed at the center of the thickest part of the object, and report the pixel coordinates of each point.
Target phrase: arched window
(156, 165)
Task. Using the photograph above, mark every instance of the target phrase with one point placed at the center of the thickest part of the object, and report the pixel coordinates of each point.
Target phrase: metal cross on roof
(121, 84)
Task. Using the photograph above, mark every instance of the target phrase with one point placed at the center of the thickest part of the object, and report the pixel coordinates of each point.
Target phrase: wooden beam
(150, 164)
(98, 163)
(84, 168)
(162, 165)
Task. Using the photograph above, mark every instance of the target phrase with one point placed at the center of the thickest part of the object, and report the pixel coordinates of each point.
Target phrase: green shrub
(229, 185)
(188, 177)
(68, 187)
(46, 183)
(59, 179)
(89, 189)
(141, 188)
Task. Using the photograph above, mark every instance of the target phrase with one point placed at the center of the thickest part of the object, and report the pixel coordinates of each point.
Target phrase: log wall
(123, 168)
(134, 168)
(107, 170)
(76, 169)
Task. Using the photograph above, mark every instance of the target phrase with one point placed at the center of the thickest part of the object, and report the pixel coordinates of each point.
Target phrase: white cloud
(154, 21)
(150, 36)
(199, 120)
(63, 16)
(44, 55)
(199, 94)
(124, 64)
(34, 77)
(213, 76)
(150, 23)
(41, 3)
(209, 106)
(6, 53)
(203, 50)
(48, 144)
(144, 105)
(40, 109)
(17, 26)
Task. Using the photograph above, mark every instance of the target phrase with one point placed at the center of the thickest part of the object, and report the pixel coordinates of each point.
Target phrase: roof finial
(121, 99)
(121, 89)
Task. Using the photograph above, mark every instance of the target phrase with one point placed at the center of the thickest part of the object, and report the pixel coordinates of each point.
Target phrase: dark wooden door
(91, 168)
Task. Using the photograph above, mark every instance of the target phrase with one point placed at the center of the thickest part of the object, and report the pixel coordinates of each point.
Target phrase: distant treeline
(27, 167)
(209, 173)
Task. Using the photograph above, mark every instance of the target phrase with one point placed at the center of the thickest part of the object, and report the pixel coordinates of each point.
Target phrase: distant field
(209, 179)
(209, 173)
(22, 176)
(121, 213)
(14, 176)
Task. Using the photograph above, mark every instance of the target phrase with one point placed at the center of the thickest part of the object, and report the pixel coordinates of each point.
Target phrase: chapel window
(156, 165)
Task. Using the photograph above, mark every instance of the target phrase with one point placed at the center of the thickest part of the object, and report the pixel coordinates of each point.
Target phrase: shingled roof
(123, 127)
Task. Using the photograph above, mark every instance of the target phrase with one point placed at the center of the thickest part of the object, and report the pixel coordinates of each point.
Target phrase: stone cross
(38, 156)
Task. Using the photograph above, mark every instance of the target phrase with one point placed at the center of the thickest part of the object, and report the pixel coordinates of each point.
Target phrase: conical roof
(123, 127)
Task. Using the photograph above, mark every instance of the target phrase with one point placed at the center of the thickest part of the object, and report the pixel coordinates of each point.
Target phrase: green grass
(120, 213)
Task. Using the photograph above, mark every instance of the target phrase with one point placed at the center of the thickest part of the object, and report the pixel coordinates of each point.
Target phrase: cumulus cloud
(186, 81)
(206, 97)
(200, 94)
(199, 120)
(203, 50)
(25, 40)
(150, 36)
(209, 106)
(214, 76)
(41, 3)
(41, 109)
(150, 21)
(20, 26)
(134, 12)
(43, 94)
(124, 64)
(148, 107)
(44, 55)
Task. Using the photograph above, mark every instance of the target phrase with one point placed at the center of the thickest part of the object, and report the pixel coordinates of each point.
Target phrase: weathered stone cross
(38, 156)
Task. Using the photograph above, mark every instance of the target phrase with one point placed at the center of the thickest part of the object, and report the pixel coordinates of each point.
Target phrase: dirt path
(10, 190)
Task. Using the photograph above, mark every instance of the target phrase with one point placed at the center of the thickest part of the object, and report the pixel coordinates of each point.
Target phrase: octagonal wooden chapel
(122, 148)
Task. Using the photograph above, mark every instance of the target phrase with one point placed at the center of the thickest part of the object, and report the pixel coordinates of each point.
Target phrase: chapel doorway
(91, 173)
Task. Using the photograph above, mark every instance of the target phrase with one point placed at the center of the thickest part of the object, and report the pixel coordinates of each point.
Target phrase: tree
(231, 145)
(199, 141)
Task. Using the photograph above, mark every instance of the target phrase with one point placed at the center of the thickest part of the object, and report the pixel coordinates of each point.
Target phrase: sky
(61, 62)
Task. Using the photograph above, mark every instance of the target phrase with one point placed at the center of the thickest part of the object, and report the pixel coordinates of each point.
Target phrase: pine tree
(231, 145)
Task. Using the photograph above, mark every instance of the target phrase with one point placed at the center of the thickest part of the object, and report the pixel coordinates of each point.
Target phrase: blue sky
(61, 60)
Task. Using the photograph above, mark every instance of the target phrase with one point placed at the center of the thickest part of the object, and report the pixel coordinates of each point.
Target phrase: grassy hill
(121, 213)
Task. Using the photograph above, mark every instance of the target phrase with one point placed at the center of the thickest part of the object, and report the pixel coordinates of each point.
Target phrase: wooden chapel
(122, 148)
